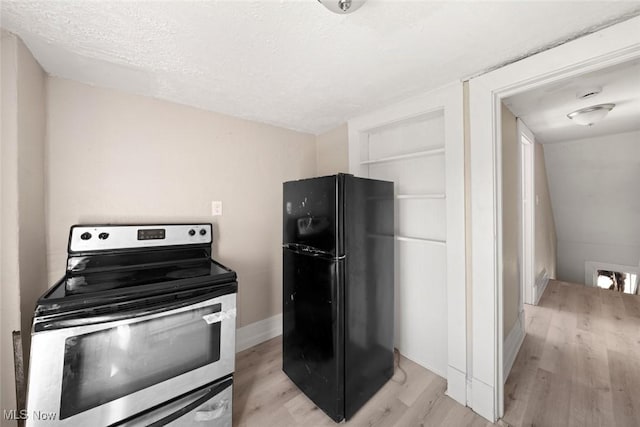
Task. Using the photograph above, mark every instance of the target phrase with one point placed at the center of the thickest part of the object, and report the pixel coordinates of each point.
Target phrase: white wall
(115, 157)
(545, 227)
(31, 197)
(22, 238)
(9, 271)
(510, 220)
(594, 187)
(332, 150)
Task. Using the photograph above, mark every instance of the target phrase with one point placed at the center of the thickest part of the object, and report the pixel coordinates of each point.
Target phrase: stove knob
(85, 236)
(192, 232)
(103, 236)
(203, 232)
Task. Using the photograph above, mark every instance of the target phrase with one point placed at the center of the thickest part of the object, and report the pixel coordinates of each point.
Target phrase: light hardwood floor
(264, 397)
(579, 364)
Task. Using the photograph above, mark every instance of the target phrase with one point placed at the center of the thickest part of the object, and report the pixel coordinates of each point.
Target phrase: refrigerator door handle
(311, 251)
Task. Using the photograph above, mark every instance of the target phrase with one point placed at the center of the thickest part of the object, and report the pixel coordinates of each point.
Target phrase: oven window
(106, 365)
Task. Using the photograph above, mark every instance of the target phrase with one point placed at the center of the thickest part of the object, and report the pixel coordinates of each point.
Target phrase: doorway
(614, 45)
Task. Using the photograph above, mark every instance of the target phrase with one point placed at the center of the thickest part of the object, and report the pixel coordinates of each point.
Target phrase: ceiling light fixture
(591, 115)
(342, 6)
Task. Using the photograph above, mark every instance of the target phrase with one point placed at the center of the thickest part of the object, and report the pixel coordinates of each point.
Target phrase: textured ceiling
(291, 63)
(545, 109)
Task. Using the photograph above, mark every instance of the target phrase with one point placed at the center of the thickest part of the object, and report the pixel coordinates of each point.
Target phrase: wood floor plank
(590, 406)
(465, 418)
(548, 404)
(441, 414)
(589, 371)
(558, 355)
(264, 396)
(632, 308)
(304, 411)
(414, 380)
(381, 414)
(625, 380)
(518, 392)
(420, 410)
(589, 310)
(591, 361)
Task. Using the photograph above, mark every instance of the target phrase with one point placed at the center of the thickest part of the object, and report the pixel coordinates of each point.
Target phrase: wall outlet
(216, 208)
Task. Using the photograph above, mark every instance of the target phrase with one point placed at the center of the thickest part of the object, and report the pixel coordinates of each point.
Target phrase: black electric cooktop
(98, 279)
(89, 274)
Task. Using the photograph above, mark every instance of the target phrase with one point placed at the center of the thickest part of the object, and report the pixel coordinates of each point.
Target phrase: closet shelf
(420, 240)
(424, 153)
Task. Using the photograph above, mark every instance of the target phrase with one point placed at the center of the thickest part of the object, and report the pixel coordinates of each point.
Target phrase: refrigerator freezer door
(313, 329)
(310, 210)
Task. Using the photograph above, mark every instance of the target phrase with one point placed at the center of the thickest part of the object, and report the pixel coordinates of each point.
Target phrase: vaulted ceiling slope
(594, 192)
(291, 63)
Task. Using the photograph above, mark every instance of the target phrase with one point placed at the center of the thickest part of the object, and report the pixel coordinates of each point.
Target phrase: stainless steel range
(139, 331)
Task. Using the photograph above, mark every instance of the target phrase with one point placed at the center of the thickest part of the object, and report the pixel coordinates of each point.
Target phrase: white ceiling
(291, 63)
(544, 110)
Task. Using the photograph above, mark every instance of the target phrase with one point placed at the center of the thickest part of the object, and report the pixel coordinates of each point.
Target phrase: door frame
(448, 99)
(526, 145)
(613, 45)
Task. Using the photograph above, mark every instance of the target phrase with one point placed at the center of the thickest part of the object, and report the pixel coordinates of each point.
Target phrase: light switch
(216, 208)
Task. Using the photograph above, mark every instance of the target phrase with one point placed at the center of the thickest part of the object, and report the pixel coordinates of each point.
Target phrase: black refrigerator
(338, 293)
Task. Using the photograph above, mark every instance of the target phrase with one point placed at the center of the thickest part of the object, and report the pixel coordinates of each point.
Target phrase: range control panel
(108, 237)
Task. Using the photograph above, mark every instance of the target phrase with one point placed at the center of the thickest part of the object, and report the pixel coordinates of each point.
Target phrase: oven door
(99, 372)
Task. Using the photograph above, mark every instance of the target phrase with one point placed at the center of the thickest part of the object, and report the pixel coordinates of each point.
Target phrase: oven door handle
(223, 407)
(88, 319)
(170, 411)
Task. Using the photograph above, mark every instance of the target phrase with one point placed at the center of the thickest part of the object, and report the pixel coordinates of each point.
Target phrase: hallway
(579, 364)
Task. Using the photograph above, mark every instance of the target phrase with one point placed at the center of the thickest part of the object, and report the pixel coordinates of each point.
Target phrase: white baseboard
(512, 345)
(456, 385)
(483, 399)
(541, 284)
(261, 331)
